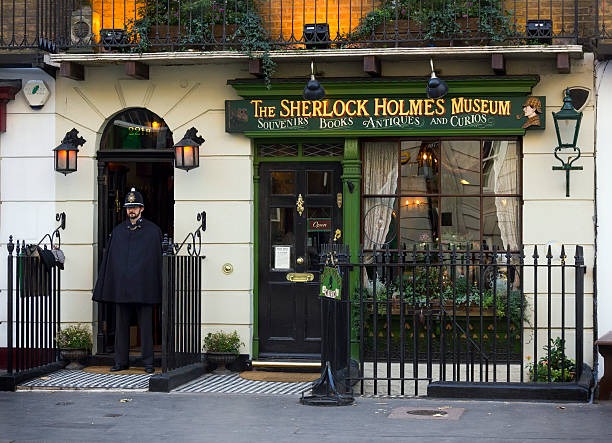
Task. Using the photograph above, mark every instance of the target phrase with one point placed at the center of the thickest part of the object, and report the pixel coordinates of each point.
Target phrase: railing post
(9, 305)
(167, 250)
(579, 296)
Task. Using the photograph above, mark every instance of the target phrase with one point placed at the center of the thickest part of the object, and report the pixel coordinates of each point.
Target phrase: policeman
(130, 277)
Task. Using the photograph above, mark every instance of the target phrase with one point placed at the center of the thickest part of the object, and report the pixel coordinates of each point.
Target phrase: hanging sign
(331, 283)
(381, 114)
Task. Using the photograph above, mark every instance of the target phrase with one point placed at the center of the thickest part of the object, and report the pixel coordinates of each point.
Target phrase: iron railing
(33, 302)
(418, 317)
(246, 25)
(182, 300)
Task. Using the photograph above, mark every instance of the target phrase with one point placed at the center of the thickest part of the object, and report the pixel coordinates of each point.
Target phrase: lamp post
(67, 152)
(567, 127)
(187, 150)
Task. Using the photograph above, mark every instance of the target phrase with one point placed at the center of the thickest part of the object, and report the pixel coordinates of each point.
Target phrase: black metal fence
(464, 316)
(175, 25)
(33, 302)
(181, 300)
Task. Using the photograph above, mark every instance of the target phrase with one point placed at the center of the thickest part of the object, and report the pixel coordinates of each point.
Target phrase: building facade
(472, 167)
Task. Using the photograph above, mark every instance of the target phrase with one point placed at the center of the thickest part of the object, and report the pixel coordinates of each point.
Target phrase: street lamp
(187, 150)
(567, 127)
(67, 152)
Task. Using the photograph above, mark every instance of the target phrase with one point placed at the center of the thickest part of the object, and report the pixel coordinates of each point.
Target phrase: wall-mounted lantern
(436, 87)
(567, 127)
(313, 90)
(67, 152)
(187, 150)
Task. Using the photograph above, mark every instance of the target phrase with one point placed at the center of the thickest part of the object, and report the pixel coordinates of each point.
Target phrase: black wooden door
(300, 210)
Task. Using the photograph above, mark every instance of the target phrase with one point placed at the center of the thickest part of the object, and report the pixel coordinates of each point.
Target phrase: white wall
(27, 178)
(603, 89)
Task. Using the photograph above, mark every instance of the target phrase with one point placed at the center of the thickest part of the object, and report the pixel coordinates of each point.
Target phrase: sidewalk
(189, 417)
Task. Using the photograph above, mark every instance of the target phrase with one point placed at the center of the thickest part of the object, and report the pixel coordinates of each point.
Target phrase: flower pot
(221, 359)
(74, 356)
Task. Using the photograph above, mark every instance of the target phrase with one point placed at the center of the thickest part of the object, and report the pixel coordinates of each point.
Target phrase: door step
(286, 366)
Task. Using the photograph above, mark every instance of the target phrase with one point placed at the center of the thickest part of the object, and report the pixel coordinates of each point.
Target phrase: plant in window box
(222, 348)
(390, 17)
(75, 343)
(465, 21)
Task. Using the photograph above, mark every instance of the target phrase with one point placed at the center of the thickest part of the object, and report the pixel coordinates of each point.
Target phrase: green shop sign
(388, 115)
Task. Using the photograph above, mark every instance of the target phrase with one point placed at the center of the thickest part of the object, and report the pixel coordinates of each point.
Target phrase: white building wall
(185, 97)
(603, 90)
(27, 180)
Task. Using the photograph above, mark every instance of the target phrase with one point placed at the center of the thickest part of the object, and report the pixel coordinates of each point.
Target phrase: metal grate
(323, 150)
(278, 150)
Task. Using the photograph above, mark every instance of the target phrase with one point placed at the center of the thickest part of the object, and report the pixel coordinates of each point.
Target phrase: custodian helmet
(133, 198)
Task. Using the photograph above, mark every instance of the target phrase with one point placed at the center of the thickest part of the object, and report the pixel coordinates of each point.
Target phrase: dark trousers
(122, 332)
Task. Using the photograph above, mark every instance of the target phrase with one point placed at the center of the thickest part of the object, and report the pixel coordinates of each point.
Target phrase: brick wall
(289, 21)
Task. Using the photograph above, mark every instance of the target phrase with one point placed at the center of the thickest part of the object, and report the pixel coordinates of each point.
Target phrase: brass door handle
(299, 205)
(300, 260)
(300, 277)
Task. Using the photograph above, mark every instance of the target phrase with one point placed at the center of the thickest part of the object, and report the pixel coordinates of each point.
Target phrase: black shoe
(149, 369)
(119, 368)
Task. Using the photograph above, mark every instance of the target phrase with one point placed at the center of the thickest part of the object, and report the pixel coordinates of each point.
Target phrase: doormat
(106, 370)
(286, 377)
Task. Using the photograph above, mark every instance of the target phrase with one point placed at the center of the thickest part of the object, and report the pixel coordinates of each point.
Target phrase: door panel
(299, 211)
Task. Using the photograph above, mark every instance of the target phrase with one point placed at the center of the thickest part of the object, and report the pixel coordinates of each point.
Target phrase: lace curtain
(505, 165)
(380, 169)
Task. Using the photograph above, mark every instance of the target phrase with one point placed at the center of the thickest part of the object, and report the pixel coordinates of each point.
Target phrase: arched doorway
(135, 151)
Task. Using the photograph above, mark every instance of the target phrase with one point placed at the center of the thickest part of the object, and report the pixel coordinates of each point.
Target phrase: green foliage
(562, 369)
(423, 285)
(74, 337)
(255, 42)
(440, 19)
(221, 341)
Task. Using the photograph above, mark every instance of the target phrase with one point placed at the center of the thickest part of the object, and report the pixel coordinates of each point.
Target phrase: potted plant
(559, 367)
(222, 348)
(75, 343)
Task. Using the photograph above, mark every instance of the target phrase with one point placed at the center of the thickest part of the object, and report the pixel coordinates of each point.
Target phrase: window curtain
(380, 169)
(505, 164)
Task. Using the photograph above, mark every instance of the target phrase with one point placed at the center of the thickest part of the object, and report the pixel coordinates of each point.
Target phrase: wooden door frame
(351, 189)
(103, 158)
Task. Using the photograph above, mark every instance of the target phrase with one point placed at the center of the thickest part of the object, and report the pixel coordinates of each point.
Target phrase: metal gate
(33, 307)
(181, 300)
(421, 316)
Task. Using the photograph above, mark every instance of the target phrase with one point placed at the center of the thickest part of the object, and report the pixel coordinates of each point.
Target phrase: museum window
(432, 193)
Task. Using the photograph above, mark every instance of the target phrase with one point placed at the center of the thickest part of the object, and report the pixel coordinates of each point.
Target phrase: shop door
(300, 209)
(154, 179)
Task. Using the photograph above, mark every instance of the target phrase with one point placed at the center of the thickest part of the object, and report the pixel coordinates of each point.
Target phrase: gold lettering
(392, 107)
(428, 107)
(316, 108)
(338, 112)
(456, 105)
(441, 110)
(504, 108)
(379, 106)
(362, 111)
(416, 107)
(256, 104)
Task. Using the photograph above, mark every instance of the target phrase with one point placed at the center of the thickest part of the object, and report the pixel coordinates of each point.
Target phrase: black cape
(131, 270)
